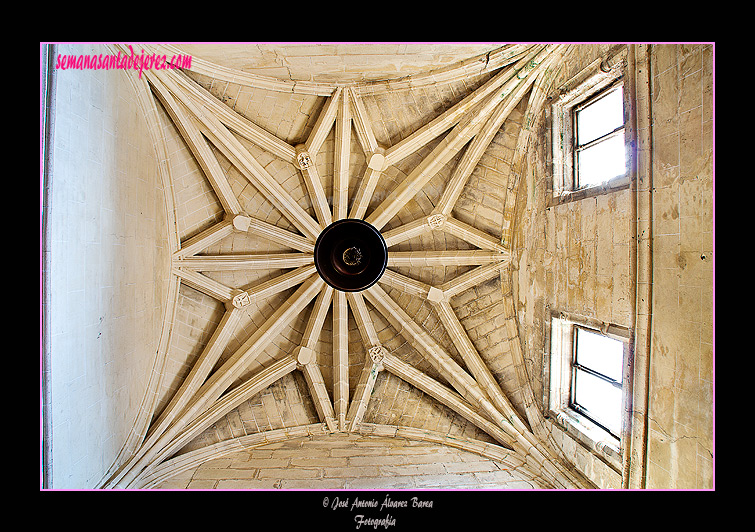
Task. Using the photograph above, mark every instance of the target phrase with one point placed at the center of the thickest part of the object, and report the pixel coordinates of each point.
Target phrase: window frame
(558, 367)
(576, 366)
(578, 148)
(588, 85)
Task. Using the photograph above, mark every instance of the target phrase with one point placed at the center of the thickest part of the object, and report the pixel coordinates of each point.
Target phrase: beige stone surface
(681, 416)
(342, 461)
(267, 380)
(107, 260)
(337, 61)
(577, 257)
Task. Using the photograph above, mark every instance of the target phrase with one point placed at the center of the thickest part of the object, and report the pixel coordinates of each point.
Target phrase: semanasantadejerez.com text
(122, 61)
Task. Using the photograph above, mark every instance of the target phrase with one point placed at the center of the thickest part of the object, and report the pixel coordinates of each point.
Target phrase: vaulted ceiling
(264, 150)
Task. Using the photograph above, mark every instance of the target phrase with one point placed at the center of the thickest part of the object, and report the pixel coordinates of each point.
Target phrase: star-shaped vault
(407, 323)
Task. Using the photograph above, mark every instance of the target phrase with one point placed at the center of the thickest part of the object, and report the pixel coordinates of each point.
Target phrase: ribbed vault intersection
(339, 356)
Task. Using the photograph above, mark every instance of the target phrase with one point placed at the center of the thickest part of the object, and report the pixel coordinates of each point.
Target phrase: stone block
(204, 474)
(413, 469)
(470, 467)
(199, 485)
(314, 484)
(313, 462)
(247, 484)
(351, 471)
(381, 483)
(289, 473)
(446, 481)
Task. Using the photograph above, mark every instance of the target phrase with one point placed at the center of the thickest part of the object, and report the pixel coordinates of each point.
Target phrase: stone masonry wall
(575, 257)
(349, 461)
(680, 446)
(571, 257)
(107, 261)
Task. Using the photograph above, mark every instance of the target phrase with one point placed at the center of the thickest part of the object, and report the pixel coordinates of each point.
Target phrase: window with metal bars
(599, 149)
(596, 378)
